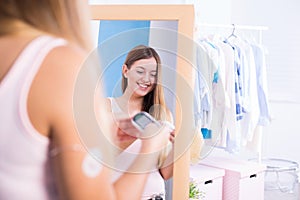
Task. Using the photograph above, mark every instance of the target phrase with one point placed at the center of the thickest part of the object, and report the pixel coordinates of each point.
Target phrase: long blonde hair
(62, 18)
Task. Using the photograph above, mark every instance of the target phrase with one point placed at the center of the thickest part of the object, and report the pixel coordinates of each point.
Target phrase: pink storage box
(243, 180)
(209, 179)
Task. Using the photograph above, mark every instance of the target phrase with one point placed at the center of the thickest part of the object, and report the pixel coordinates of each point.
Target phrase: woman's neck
(19, 28)
(132, 104)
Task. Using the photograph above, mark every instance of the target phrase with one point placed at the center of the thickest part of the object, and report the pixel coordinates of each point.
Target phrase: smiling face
(141, 76)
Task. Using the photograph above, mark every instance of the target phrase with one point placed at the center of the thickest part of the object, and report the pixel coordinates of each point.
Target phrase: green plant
(194, 191)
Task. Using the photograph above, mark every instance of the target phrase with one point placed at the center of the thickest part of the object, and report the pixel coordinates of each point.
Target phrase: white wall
(207, 11)
(281, 138)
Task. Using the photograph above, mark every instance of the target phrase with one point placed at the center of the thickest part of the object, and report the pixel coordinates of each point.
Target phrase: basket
(281, 175)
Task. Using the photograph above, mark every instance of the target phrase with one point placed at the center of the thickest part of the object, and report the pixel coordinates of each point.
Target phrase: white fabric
(239, 97)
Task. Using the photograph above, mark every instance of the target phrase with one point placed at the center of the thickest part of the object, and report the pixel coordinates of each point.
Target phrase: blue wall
(111, 31)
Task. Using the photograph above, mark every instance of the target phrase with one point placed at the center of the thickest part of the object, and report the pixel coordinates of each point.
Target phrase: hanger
(232, 33)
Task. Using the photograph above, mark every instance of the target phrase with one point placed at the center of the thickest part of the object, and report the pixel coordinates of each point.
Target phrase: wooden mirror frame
(184, 15)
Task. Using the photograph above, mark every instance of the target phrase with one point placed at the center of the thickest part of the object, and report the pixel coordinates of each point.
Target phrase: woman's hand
(153, 137)
(172, 137)
(126, 129)
(172, 130)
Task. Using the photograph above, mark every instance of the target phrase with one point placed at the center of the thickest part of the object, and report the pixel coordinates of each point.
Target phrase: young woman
(142, 91)
(42, 46)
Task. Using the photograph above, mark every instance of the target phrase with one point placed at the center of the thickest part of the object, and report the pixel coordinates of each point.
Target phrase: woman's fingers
(172, 138)
(125, 126)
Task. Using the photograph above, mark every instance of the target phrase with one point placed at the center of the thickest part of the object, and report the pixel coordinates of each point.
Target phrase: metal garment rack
(235, 27)
(240, 27)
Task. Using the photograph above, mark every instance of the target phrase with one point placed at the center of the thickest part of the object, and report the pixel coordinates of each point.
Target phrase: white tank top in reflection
(155, 183)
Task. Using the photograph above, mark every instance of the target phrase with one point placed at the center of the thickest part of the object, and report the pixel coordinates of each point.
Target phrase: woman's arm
(166, 171)
(145, 162)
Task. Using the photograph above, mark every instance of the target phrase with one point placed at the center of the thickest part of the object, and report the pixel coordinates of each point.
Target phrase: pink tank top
(25, 172)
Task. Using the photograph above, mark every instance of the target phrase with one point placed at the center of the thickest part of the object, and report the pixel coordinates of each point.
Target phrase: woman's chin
(142, 91)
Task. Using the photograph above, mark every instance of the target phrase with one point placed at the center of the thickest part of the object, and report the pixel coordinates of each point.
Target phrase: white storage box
(209, 180)
(243, 180)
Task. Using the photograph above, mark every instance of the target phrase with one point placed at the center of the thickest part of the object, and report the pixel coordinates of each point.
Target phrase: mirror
(169, 30)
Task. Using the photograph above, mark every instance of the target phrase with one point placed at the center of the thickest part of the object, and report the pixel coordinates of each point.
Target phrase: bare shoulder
(51, 94)
(59, 71)
(65, 59)
(107, 103)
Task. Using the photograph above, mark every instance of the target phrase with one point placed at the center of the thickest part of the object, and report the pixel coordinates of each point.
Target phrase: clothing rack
(234, 27)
